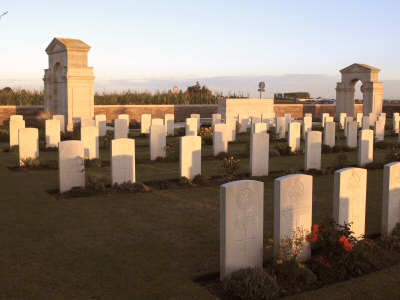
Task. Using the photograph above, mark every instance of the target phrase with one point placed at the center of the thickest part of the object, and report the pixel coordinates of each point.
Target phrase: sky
(229, 46)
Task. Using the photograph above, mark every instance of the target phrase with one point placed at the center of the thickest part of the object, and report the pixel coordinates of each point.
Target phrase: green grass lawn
(151, 245)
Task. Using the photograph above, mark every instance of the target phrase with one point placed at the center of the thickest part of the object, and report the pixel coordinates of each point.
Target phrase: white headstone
(294, 136)
(61, 118)
(123, 160)
(169, 123)
(308, 115)
(71, 165)
(15, 125)
(241, 225)
(288, 118)
(342, 118)
(16, 117)
(52, 129)
(125, 117)
(101, 123)
(28, 140)
(372, 118)
(346, 121)
(255, 120)
(365, 123)
(329, 119)
(231, 129)
(220, 142)
(190, 156)
(359, 117)
(280, 128)
(90, 140)
(352, 131)
(390, 198)
(307, 125)
(379, 130)
(365, 147)
(87, 123)
(260, 127)
(324, 116)
(259, 154)
(349, 198)
(196, 116)
(191, 126)
(216, 119)
(157, 121)
(121, 129)
(145, 122)
(292, 209)
(313, 150)
(244, 125)
(396, 123)
(158, 141)
(329, 133)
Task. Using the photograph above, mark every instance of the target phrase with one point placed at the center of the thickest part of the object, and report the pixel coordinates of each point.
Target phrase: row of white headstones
(241, 201)
(242, 212)
(123, 149)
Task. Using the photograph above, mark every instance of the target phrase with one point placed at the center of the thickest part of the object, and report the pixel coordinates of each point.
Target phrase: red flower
(314, 237)
(346, 244)
(315, 228)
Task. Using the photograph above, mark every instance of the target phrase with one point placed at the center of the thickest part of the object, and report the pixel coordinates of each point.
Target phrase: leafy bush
(172, 151)
(50, 164)
(199, 180)
(131, 186)
(206, 134)
(337, 254)
(78, 191)
(184, 181)
(274, 153)
(251, 283)
(31, 162)
(284, 149)
(374, 166)
(4, 135)
(336, 149)
(92, 163)
(223, 155)
(383, 145)
(181, 131)
(326, 148)
(349, 149)
(228, 169)
(341, 162)
(392, 156)
(393, 241)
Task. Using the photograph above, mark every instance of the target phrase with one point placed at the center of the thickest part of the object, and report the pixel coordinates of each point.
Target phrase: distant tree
(197, 90)
(3, 14)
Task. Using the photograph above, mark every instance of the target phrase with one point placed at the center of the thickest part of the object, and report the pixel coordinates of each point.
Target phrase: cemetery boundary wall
(181, 112)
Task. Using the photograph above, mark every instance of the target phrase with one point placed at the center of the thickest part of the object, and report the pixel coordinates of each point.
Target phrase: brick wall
(182, 112)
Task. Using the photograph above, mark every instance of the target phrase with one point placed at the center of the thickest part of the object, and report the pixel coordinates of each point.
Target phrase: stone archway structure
(69, 82)
(372, 90)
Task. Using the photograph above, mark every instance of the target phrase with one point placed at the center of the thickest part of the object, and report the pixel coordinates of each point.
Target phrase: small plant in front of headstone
(184, 181)
(92, 163)
(31, 162)
(326, 148)
(393, 241)
(79, 191)
(336, 149)
(172, 151)
(341, 162)
(274, 153)
(131, 186)
(284, 149)
(228, 169)
(286, 265)
(4, 135)
(206, 134)
(199, 180)
(222, 155)
(392, 156)
(337, 254)
(251, 283)
(181, 131)
(95, 182)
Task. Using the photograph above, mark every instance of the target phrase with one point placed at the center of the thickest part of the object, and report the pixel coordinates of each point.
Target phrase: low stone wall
(181, 112)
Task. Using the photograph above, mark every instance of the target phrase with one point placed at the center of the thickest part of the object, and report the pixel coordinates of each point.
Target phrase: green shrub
(251, 284)
(31, 162)
(341, 162)
(223, 155)
(78, 191)
(92, 163)
(392, 156)
(326, 148)
(336, 149)
(349, 149)
(68, 136)
(50, 164)
(383, 145)
(4, 135)
(159, 159)
(131, 186)
(206, 134)
(228, 169)
(274, 153)
(181, 131)
(172, 151)
(199, 180)
(284, 149)
(374, 166)
(317, 128)
(184, 181)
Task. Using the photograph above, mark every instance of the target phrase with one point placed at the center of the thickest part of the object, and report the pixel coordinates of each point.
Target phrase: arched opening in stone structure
(358, 95)
(56, 88)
